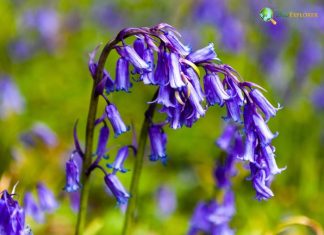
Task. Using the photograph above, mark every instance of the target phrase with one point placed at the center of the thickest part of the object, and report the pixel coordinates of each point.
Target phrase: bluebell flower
(118, 164)
(117, 189)
(166, 201)
(122, 81)
(212, 216)
(32, 209)
(268, 156)
(214, 90)
(166, 96)
(226, 139)
(139, 46)
(204, 54)
(261, 182)
(131, 55)
(195, 102)
(148, 76)
(194, 80)
(161, 74)
(11, 100)
(12, 216)
(158, 140)
(176, 44)
(250, 146)
(102, 142)
(174, 71)
(233, 110)
(115, 120)
(72, 176)
(262, 102)
(47, 201)
(106, 83)
(263, 130)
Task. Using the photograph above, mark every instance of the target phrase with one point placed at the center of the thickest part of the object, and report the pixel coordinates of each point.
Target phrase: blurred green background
(44, 48)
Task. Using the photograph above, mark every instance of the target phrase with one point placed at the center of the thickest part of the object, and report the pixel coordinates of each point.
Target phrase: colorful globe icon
(266, 15)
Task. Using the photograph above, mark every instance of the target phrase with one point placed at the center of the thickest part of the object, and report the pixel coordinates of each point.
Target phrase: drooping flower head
(12, 216)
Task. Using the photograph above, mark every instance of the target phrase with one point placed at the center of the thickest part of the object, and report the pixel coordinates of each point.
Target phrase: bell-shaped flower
(174, 71)
(118, 164)
(214, 90)
(263, 104)
(72, 176)
(204, 54)
(102, 141)
(122, 81)
(115, 119)
(117, 189)
(158, 141)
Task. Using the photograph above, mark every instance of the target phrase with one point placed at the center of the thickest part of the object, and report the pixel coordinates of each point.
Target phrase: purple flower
(32, 209)
(214, 90)
(225, 140)
(161, 75)
(174, 71)
(139, 46)
(263, 104)
(166, 200)
(166, 96)
(11, 100)
(117, 189)
(102, 142)
(194, 80)
(47, 201)
(106, 82)
(158, 141)
(122, 81)
(263, 130)
(72, 176)
(12, 216)
(176, 44)
(211, 216)
(118, 164)
(261, 182)
(115, 120)
(148, 76)
(204, 54)
(131, 55)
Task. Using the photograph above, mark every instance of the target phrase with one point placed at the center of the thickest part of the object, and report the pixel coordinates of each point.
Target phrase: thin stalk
(132, 202)
(94, 98)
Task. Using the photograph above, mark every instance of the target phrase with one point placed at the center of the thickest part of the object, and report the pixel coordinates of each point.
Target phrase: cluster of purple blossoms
(157, 57)
(12, 216)
(213, 217)
(46, 203)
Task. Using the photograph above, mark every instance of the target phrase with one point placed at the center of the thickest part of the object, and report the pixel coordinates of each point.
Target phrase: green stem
(132, 202)
(85, 176)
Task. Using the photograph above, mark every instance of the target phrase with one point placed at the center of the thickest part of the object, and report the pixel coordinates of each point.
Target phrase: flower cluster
(213, 217)
(157, 57)
(12, 216)
(74, 164)
(46, 203)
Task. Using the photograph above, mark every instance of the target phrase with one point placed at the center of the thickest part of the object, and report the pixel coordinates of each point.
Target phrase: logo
(266, 15)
